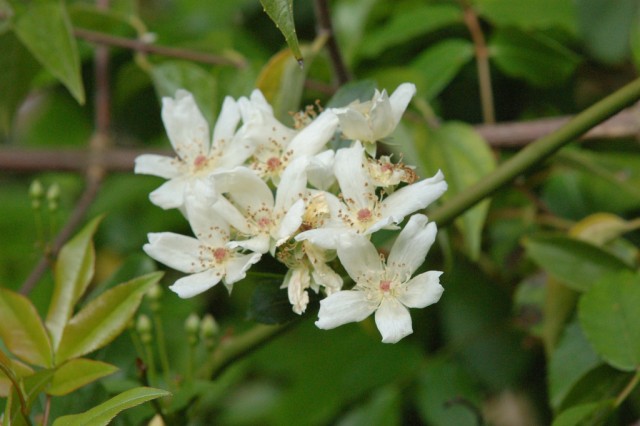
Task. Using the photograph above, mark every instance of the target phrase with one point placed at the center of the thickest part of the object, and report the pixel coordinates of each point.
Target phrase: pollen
(273, 163)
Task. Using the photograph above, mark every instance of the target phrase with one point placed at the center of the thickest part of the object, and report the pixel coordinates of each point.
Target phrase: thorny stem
(482, 63)
(323, 17)
(536, 153)
(233, 348)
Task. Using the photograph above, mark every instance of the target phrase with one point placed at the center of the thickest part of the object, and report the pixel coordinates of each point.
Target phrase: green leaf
(102, 414)
(610, 317)
(11, 371)
(32, 386)
(281, 13)
(572, 359)
(408, 24)
(18, 69)
(442, 382)
(464, 158)
(45, 29)
(529, 14)
(576, 263)
(77, 373)
(591, 413)
(89, 17)
(73, 272)
(536, 58)
(22, 331)
(441, 62)
(382, 409)
(104, 318)
(361, 90)
(169, 76)
(270, 304)
(605, 27)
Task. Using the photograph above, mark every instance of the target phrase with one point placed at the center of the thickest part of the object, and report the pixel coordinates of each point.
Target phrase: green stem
(162, 348)
(235, 347)
(536, 152)
(628, 389)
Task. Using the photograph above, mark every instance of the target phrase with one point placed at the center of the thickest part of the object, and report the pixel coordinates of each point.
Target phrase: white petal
(238, 266)
(156, 165)
(326, 238)
(297, 282)
(245, 189)
(170, 195)
(258, 244)
(359, 257)
(195, 284)
(176, 251)
(320, 170)
(381, 117)
(400, 99)
(343, 307)
(207, 226)
(314, 137)
(290, 222)
(325, 276)
(354, 124)
(227, 123)
(412, 245)
(293, 184)
(187, 129)
(352, 176)
(423, 290)
(393, 320)
(232, 215)
(413, 197)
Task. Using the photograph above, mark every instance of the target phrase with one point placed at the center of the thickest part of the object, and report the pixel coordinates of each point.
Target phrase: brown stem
(143, 47)
(504, 135)
(482, 62)
(325, 25)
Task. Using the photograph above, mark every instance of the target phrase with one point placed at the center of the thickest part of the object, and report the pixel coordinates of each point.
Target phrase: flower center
(385, 285)
(264, 222)
(220, 254)
(199, 162)
(364, 215)
(273, 164)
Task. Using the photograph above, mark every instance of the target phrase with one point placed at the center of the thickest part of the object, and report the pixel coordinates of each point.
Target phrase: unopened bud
(36, 192)
(143, 327)
(191, 326)
(209, 330)
(53, 196)
(154, 295)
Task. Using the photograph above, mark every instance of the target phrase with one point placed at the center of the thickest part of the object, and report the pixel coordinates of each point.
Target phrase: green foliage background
(540, 311)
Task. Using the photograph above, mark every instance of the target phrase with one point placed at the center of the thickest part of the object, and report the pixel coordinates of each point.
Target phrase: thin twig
(482, 62)
(323, 17)
(503, 135)
(144, 47)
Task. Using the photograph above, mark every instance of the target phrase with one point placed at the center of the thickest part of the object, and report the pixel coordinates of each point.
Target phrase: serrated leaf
(464, 158)
(45, 29)
(281, 13)
(408, 24)
(77, 373)
(102, 414)
(22, 331)
(104, 318)
(536, 58)
(169, 76)
(18, 69)
(576, 263)
(73, 272)
(441, 62)
(610, 317)
(572, 359)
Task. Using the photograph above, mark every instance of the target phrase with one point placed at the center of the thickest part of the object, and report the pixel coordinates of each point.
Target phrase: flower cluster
(256, 186)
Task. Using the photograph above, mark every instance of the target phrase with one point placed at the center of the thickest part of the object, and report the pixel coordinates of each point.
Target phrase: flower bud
(143, 327)
(36, 192)
(191, 326)
(53, 196)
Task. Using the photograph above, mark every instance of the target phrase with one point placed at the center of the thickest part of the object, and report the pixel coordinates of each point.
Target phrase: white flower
(385, 288)
(249, 205)
(207, 258)
(361, 210)
(376, 119)
(276, 144)
(197, 158)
